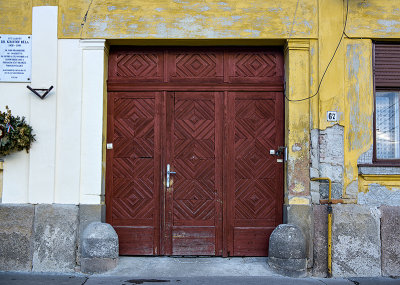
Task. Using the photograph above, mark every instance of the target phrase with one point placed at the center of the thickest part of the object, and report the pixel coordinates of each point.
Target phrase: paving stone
(390, 231)
(55, 238)
(16, 227)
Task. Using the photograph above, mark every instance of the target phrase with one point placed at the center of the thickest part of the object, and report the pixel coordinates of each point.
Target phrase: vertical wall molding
(93, 88)
(297, 120)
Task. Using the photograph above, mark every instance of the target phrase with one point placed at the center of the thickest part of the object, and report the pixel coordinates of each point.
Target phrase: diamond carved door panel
(194, 150)
(254, 185)
(134, 166)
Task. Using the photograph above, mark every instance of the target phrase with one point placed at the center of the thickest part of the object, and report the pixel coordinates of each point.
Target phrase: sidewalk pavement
(19, 278)
(183, 271)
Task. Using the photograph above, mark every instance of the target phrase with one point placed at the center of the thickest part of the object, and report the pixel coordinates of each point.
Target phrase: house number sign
(15, 58)
(331, 116)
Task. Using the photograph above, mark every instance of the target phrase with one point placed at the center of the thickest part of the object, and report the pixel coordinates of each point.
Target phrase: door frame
(126, 87)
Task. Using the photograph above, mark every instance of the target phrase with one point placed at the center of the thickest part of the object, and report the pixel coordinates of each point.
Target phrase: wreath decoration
(15, 133)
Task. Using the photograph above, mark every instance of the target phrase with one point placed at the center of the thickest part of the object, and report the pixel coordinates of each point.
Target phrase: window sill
(378, 169)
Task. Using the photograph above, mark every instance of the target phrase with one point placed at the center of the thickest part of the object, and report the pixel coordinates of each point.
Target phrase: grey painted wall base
(43, 237)
(16, 233)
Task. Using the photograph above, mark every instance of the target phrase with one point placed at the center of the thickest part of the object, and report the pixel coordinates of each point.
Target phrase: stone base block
(390, 230)
(98, 265)
(288, 267)
(16, 224)
(356, 249)
(55, 238)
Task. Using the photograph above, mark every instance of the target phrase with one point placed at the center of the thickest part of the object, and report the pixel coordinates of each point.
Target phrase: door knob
(169, 172)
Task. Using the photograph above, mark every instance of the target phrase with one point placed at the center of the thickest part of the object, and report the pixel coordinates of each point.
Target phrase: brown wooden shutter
(387, 65)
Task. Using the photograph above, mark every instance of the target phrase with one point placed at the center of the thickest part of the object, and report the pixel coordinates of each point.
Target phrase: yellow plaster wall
(16, 17)
(332, 88)
(374, 19)
(346, 88)
(359, 105)
(187, 19)
(206, 18)
(297, 120)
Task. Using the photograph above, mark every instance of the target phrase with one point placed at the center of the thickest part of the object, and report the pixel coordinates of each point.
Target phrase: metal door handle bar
(169, 172)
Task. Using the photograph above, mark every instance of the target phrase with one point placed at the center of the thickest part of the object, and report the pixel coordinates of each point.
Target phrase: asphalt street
(19, 278)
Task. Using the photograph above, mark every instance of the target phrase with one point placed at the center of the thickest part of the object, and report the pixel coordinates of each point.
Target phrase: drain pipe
(329, 224)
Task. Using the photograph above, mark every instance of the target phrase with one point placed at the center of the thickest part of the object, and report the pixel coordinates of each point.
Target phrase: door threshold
(174, 266)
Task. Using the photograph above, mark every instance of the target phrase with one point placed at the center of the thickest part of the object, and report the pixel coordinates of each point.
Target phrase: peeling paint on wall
(359, 108)
(374, 19)
(185, 19)
(379, 195)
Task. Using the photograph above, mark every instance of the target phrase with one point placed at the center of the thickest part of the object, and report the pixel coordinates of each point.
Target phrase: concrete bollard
(287, 251)
(99, 248)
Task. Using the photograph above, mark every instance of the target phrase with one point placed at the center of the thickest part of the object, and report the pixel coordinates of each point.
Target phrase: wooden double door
(189, 167)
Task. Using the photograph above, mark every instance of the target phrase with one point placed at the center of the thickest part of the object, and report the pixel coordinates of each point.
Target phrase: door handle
(281, 150)
(169, 172)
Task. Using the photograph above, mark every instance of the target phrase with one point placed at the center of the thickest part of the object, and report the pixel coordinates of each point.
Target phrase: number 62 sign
(331, 116)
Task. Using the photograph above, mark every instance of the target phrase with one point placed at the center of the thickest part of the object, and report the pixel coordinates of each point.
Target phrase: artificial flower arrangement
(15, 133)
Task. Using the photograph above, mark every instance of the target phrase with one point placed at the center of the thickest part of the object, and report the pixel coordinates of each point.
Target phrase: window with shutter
(387, 103)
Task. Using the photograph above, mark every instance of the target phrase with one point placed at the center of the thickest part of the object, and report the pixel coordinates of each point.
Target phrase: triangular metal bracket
(45, 91)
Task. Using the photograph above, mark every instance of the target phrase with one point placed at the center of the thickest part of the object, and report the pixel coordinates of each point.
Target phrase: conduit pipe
(329, 223)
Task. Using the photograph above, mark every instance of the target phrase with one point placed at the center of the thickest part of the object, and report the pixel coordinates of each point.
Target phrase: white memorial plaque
(15, 58)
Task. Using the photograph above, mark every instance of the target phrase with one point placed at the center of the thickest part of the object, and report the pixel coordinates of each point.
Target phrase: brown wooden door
(254, 176)
(133, 171)
(194, 151)
(213, 115)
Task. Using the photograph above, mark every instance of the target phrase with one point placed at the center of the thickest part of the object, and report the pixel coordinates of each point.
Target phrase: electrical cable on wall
(330, 61)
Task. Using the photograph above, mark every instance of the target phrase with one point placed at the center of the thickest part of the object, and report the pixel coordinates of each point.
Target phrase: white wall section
(16, 166)
(65, 163)
(68, 138)
(43, 112)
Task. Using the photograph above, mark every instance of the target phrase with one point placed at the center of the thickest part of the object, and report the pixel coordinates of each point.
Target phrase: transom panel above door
(190, 170)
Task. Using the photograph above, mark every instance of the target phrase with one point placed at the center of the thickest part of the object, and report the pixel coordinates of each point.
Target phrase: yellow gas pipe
(329, 224)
